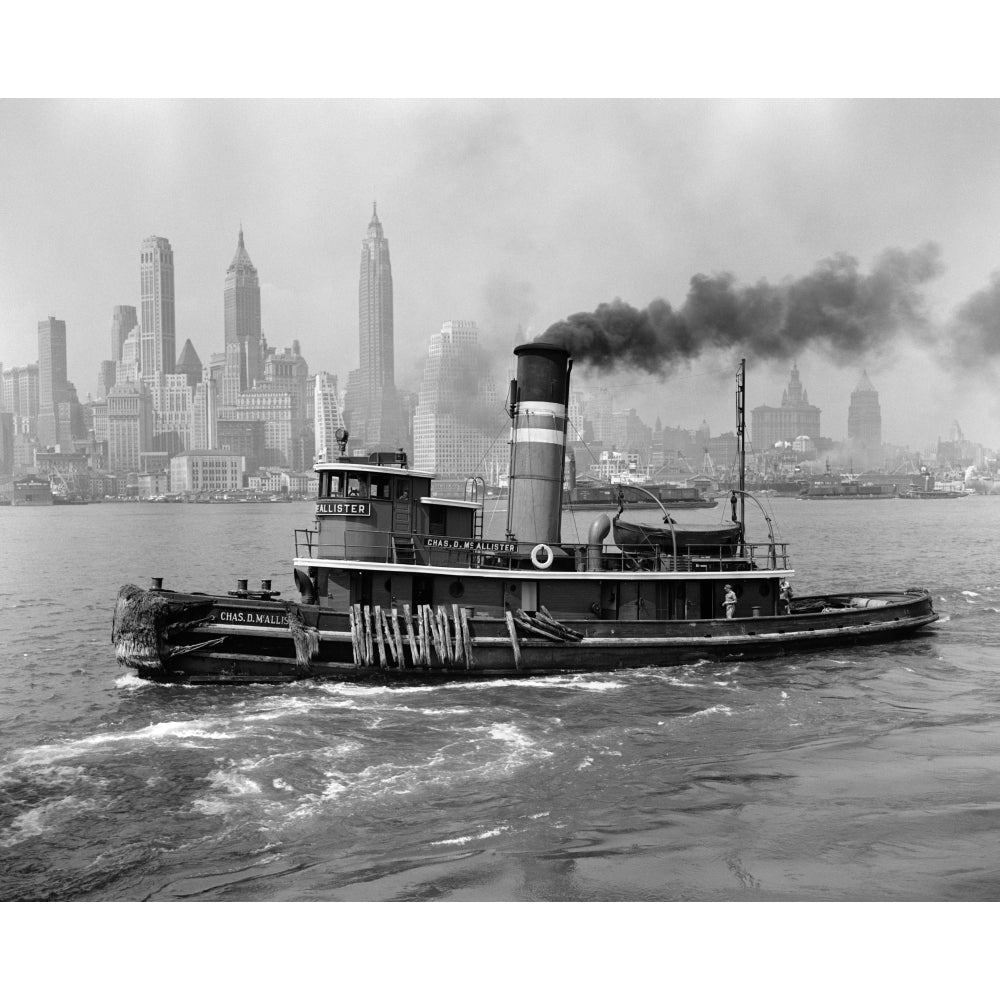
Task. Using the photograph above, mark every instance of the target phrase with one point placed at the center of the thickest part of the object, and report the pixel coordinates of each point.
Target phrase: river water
(868, 774)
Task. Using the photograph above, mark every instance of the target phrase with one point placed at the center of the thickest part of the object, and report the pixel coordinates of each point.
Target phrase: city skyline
(570, 220)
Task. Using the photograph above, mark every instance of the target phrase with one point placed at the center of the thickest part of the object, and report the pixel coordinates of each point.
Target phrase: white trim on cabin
(538, 575)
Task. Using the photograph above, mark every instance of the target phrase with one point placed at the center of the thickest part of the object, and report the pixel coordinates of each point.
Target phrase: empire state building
(242, 314)
(372, 404)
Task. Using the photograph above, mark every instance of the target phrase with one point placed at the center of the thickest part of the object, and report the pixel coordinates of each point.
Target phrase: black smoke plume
(836, 307)
(975, 332)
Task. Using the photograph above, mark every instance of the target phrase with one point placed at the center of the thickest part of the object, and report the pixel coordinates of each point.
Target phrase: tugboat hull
(277, 642)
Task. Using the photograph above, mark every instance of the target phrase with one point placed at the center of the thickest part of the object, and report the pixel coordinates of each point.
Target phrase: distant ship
(32, 491)
(849, 491)
(607, 496)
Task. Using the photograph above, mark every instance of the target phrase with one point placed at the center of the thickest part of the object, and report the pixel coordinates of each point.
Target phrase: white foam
(485, 835)
(714, 710)
(42, 819)
(234, 783)
(132, 681)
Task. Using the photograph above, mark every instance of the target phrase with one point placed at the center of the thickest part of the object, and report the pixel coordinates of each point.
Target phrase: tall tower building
(864, 419)
(373, 409)
(52, 380)
(158, 337)
(123, 320)
(242, 314)
(795, 418)
(375, 308)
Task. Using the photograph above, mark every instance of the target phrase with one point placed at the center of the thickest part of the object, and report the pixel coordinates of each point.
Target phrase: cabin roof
(444, 502)
(392, 470)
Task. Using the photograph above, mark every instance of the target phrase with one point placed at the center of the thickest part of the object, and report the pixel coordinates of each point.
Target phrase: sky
(517, 213)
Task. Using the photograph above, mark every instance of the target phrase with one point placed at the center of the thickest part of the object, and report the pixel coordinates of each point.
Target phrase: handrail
(636, 558)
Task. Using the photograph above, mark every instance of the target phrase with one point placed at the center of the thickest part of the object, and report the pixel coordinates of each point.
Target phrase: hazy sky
(507, 213)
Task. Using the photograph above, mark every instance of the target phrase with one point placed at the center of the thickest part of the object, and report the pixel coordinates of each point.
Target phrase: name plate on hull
(345, 508)
(230, 616)
(468, 544)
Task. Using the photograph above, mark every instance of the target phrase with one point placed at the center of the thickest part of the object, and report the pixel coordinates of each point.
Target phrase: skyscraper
(157, 342)
(123, 320)
(327, 416)
(864, 419)
(459, 423)
(375, 308)
(795, 418)
(373, 409)
(51, 378)
(242, 314)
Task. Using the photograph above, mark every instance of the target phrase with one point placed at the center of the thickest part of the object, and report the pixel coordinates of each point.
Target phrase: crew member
(729, 601)
(785, 597)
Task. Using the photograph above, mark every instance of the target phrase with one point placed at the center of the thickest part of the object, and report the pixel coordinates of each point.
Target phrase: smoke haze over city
(842, 235)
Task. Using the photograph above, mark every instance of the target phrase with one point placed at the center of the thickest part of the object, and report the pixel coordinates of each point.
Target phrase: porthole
(456, 589)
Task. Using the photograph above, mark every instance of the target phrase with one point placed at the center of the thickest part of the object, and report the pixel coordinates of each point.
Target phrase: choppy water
(861, 775)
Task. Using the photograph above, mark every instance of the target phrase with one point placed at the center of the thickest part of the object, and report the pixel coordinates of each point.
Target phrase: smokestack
(538, 445)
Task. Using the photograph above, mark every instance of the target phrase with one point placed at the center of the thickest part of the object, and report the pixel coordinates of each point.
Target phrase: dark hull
(209, 651)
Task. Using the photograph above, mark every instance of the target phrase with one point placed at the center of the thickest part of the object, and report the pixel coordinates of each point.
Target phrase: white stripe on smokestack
(534, 509)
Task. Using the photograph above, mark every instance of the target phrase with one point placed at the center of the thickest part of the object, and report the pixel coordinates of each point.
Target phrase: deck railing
(365, 545)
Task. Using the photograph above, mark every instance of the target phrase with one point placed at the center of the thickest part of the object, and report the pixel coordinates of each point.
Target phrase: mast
(741, 435)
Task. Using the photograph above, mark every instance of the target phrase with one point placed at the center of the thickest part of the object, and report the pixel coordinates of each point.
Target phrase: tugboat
(398, 586)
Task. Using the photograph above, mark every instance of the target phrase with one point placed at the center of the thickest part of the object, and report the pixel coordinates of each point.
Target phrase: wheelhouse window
(381, 486)
(357, 484)
(343, 484)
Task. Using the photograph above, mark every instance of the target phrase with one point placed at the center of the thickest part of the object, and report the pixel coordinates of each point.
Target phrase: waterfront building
(793, 419)
(124, 320)
(459, 422)
(206, 471)
(275, 409)
(328, 416)
(244, 437)
(172, 398)
(19, 387)
(242, 315)
(283, 481)
(153, 484)
(372, 405)
(6, 445)
(130, 425)
(157, 337)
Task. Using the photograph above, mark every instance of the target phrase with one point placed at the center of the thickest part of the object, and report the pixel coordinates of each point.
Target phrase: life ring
(541, 556)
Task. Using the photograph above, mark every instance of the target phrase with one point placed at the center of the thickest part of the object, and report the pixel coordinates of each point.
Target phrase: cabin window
(381, 487)
(435, 520)
(402, 489)
(357, 484)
